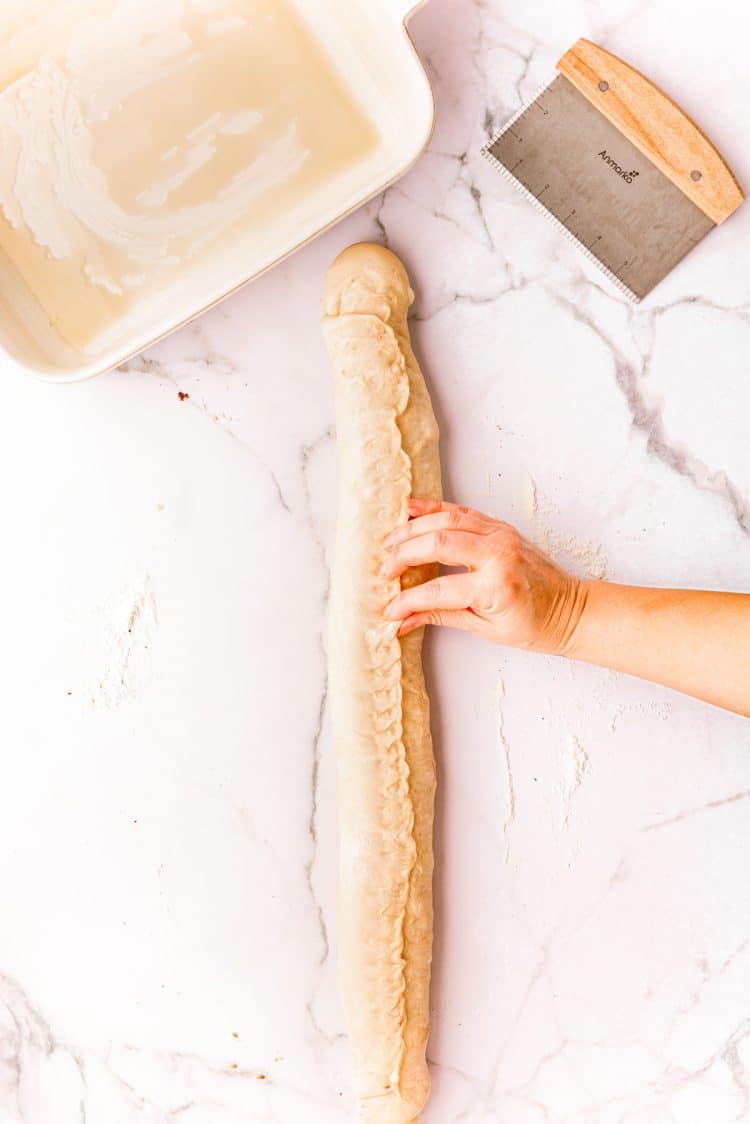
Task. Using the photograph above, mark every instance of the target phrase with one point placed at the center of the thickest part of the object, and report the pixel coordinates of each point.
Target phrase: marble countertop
(167, 805)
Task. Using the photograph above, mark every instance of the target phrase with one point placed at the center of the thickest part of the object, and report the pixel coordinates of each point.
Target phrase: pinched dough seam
(397, 744)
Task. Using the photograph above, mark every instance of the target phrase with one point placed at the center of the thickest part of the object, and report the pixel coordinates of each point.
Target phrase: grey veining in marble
(167, 806)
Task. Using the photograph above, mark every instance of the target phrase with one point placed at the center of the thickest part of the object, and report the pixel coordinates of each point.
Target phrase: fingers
(452, 548)
(448, 517)
(449, 618)
(454, 591)
(424, 506)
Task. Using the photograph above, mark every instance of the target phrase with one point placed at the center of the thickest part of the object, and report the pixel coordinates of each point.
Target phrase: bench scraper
(618, 166)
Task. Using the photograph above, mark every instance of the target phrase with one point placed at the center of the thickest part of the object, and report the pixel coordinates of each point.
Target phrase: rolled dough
(388, 451)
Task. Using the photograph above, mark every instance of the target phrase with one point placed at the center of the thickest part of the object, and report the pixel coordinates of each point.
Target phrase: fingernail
(388, 611)
(385, 569)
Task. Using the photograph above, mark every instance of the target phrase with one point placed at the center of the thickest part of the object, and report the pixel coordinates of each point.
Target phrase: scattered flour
(505, 745)
(129, 629)
(658, 710)
(568, 551)
(575, 765)
(532, 499)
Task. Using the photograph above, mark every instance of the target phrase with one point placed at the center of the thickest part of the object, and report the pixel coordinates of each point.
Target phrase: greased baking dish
(155, 155)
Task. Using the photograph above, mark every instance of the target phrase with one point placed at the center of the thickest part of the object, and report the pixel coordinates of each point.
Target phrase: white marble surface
(167, 815)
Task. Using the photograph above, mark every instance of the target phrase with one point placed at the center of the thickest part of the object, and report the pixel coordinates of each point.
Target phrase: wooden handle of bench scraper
(655, 125)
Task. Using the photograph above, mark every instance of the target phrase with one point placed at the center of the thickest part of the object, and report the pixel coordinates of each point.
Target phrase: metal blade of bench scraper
(617, 206)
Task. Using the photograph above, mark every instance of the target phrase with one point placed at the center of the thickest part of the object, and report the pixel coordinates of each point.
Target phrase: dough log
(388, 451)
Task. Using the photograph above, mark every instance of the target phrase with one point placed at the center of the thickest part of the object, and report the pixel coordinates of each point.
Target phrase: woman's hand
(693, 640)
(508, 591)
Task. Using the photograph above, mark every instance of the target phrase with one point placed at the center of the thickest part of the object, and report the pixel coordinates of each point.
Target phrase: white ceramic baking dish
(156, 155)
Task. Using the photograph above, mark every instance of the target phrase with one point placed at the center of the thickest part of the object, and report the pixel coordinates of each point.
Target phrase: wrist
(557, 632)
(578, 607)
(583, 622)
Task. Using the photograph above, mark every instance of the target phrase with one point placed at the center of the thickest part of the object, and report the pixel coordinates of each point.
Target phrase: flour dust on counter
(136, 135)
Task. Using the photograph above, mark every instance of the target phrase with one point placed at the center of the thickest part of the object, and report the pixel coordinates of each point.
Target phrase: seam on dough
(401, 1057)
(413, 867)
(399, 743)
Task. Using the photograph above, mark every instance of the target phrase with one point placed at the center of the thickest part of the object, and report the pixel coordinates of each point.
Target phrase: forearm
(696, 641)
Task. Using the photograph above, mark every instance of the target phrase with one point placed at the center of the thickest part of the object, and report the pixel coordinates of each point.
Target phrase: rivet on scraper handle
(618, 166)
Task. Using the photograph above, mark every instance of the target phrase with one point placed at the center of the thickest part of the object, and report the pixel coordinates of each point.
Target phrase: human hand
(509, 591)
